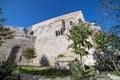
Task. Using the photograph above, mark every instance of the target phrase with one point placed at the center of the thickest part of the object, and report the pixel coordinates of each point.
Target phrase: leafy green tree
(111, 8)
(78, 35)
(6, 67)
(5, 32)
(107, 43)
(29, 53)
(1, 19)
(111, 12)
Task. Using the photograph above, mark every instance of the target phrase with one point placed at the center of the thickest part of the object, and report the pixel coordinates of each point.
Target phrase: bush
(29, 53)
(78, 74)
(76, 70)
(10, 78)
(6, 69)
(47, 71)
(60, 55)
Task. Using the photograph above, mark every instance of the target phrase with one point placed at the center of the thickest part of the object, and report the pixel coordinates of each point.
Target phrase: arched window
(63, 25)
(31, 33)
(79, 20)
(61, 31)
(71, 23)
(25, 30)
(56, 33)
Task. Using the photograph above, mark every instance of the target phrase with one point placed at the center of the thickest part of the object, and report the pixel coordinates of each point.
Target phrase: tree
(29, 53)
(111, 11)
(6, 67)
(79, 34)
(107, 43)
(5, 32)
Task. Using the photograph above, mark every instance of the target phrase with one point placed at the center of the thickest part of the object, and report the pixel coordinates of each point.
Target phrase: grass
(113, 73)
(31, 67)
(47, 71)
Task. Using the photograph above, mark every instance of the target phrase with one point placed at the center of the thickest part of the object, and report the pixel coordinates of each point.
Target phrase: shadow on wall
(44, 61)
(13, 53)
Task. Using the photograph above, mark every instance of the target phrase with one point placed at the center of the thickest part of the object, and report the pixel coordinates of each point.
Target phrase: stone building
(12, 49)
(51, 38)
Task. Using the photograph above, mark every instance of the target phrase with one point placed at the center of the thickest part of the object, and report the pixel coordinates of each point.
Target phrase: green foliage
(6, 68)
(89, 73)
(10, 78)
(29, 53)
(47, 71)
(113, 73)
(1, 19)
(79, 34)
(76, 70)
(108, 44)
(112, 9)
(100, 40)
(60, 55)
(114, 41)
(5, 32)
(77, 73)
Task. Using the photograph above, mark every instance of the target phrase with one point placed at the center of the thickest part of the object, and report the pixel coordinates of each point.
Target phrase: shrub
(60, 55)
(10, 78)
(29, 53)
(6, 69)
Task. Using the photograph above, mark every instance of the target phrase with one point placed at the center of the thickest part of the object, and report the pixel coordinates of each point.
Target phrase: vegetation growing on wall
(29, 53)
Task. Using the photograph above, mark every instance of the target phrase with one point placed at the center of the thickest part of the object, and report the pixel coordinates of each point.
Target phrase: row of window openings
(60, 32)
(71, 22)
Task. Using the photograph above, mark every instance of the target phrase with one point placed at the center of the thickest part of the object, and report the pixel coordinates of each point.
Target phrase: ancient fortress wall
(14, 47)
(51, 37)
(56, 23)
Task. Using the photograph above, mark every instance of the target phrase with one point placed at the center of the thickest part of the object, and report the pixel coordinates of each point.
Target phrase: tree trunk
(82, 66)
(28, 62)
(114, 64)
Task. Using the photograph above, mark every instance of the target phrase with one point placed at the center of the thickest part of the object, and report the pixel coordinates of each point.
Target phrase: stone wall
(49, 38)
(50, 45)
(56, 23)
(6, 50)
(51, 48)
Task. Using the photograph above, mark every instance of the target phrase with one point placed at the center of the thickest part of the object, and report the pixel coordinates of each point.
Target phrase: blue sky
(27, 12)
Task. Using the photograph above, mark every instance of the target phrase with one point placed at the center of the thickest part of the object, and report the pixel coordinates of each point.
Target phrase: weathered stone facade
(14, 47)
(49, 38)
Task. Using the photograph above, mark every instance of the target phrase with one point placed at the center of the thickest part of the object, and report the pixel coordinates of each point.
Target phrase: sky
(27, 12)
